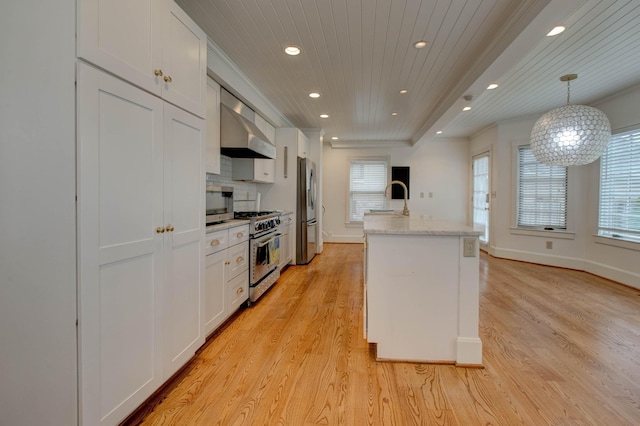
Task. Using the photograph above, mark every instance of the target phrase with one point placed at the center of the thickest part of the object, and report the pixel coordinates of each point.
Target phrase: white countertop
(231, 223)
(396, 224)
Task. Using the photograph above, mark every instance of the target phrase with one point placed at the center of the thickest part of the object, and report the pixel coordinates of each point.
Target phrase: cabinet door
(303, 145)
(238, 260)
(120, 252)
(184, 142)
(214, 291)
(212, 161)
(265, 170)
(184, 61)
(123, 37)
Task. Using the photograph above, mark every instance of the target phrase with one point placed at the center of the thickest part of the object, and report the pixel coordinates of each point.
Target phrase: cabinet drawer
(216, 241)
(238, 259)
(237, 291)
(238, 234)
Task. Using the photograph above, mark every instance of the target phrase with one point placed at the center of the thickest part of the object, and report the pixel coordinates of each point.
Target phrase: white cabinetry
(153, 44)
(226, 274)
(266, 128)
(303, 145)
(140, 233)
(286, 241)
(212, 159)
(254, 169)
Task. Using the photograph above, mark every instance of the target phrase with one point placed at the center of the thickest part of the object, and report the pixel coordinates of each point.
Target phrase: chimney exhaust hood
(239, 136)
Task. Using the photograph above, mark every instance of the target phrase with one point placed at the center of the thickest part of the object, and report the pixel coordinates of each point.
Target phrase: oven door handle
(260, 245)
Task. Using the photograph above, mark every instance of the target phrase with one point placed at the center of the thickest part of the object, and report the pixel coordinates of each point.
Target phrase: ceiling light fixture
(571, 135)
(492, 86)
(334, 138)
(556, 30)
(292, 50)
(394, 113)
(324, 115)
(420, 44)
(314, 95)
(467, 108)
(403, 91)
(439, 132)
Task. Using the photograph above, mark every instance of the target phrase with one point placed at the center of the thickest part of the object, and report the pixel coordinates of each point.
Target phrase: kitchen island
(421, 290)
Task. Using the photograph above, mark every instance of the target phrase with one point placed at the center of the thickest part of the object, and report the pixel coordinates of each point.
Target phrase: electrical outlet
(422, 195)
(431, 195)
(549, 245)
(469, 249)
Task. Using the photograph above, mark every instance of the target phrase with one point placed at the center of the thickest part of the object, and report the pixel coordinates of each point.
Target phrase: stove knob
(277, 221)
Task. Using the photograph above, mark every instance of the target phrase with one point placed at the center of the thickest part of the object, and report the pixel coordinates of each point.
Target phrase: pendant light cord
(568, 90)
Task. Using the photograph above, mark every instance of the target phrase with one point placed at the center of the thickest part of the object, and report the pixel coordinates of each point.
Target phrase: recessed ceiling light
(420, 44)
(394, 113)
(403, 91)
(492, 86)
(439, 132)
(556, 30)
(314, 95)
(467, 108)
(334, 138)
(324, 115)
(292, 50)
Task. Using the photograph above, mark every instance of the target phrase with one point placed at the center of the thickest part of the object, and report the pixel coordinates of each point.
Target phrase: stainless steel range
(264, 251)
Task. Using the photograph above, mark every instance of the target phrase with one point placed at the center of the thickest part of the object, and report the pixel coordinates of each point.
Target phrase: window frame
(377, 159)
(608, 234)
(539, 231)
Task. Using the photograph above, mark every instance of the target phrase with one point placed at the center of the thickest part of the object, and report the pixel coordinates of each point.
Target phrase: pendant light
(571, 135)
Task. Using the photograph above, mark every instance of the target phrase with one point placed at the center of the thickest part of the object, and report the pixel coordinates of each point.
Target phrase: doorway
(481, 197)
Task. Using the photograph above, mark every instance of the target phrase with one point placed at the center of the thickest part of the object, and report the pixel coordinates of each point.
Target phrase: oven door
(265, 255)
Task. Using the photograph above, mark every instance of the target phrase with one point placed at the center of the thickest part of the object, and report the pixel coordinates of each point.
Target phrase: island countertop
(397, 224)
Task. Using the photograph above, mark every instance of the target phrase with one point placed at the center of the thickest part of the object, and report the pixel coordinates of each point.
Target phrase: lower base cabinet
(226, 274)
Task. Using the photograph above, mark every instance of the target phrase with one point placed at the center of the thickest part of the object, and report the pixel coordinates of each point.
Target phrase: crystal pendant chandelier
(571, 135)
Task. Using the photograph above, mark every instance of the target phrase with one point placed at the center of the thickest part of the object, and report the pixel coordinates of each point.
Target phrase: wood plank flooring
(560, 347)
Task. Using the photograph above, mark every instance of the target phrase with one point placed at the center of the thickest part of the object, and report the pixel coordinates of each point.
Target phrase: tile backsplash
(244, 193)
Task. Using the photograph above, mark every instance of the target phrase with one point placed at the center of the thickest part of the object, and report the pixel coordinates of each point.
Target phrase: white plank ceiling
(358, 55)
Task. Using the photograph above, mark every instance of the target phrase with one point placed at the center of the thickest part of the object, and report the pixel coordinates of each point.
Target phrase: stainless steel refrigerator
(306, 219)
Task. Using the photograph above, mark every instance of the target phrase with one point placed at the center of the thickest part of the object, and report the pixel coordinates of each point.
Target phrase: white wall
(580, 250)
(37, 213)
(440, 166)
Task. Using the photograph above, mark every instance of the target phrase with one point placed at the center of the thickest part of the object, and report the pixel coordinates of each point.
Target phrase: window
(542, 193)
(620, 188)
(367, 180)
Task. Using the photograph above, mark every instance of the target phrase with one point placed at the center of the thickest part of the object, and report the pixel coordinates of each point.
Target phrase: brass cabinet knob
(239, 259)
(167, 79)
(170, 228)
(159, 230)
(239, 235)
(157, 73)
(227, 262)
(240, 290)
(215, 243)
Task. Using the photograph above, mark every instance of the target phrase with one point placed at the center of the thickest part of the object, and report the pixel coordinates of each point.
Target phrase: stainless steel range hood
(239, 136)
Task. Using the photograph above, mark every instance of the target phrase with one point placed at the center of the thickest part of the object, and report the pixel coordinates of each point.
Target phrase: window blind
(542, 193)
(619, 214)
(367, 180)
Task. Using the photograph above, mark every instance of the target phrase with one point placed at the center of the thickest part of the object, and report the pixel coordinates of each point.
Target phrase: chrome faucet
(405, 211)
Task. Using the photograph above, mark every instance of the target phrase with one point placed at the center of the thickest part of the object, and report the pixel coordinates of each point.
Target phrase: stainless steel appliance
(306, 220)
(239, 135)
(264, 250)
(219, 204)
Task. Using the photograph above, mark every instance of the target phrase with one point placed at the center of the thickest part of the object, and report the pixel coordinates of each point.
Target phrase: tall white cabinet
(152, 44)
(140, 165)
(141, 227)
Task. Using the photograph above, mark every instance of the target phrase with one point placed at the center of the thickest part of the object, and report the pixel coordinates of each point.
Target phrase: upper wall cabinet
(212, 158)
(150, 43)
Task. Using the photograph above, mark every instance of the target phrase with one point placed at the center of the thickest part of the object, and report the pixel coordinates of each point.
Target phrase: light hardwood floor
(561, 347)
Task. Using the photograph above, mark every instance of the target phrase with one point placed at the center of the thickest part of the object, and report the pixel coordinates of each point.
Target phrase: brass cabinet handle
(239, 259)
(240, 290)
(239, 235)
(215, 243)
(167, 79)
(157, 73)
(159, 230)
(170, 228)
(266, 174)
